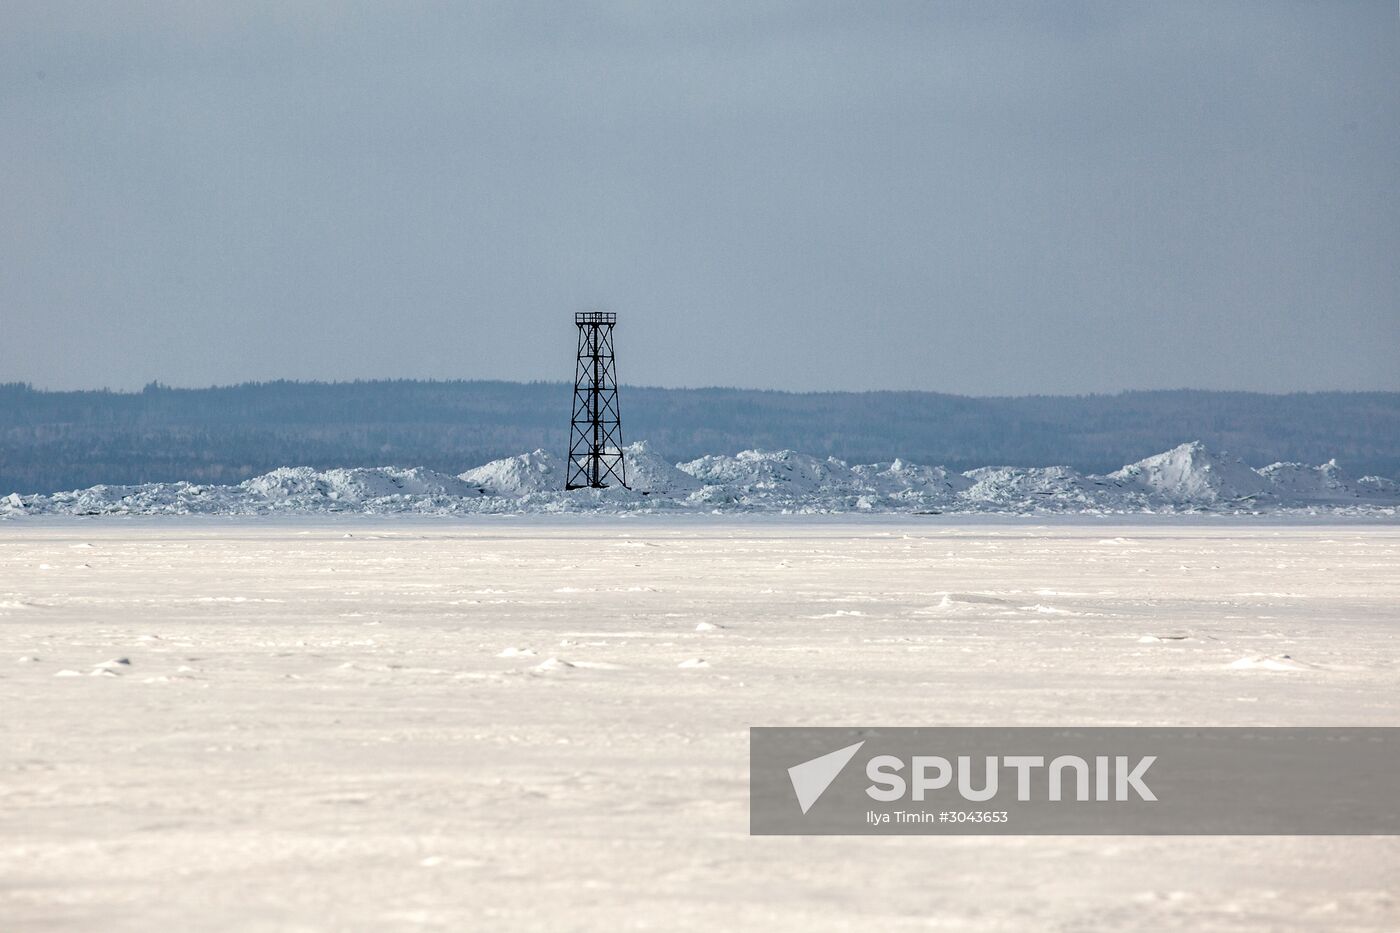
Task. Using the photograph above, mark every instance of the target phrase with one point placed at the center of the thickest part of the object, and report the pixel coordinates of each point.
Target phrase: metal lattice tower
(595, 434)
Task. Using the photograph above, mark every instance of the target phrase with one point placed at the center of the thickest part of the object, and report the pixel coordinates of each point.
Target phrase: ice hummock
(298, 484)
(783, 471)
(1190, 477)
(1325, 483)
(651, 473)
(543, 472)
(517, 476)
(1191, 473)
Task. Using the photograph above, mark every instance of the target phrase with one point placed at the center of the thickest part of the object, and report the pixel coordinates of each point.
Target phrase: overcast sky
(984, 198)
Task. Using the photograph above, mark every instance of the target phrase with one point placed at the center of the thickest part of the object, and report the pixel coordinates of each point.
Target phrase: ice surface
(1186, 479)
(409, 723)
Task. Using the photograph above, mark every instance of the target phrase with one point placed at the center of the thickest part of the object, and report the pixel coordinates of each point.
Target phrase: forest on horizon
(55, 440)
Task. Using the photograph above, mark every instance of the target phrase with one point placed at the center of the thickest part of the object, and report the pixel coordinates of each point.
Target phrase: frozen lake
(489, 723)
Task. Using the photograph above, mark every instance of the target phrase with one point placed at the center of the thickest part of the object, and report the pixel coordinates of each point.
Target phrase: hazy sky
(979, 198)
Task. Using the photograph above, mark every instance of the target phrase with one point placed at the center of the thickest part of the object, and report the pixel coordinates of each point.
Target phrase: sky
(980, 198)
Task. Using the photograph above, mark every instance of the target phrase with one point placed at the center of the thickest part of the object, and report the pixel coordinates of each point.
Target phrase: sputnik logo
(811, 778)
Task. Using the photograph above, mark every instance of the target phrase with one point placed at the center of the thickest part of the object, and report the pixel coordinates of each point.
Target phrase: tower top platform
(595, 317)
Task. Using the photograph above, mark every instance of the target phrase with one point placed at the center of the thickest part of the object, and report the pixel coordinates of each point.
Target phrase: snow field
(506, 723)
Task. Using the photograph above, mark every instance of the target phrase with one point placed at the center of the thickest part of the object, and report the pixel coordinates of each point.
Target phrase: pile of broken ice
(1188, 478)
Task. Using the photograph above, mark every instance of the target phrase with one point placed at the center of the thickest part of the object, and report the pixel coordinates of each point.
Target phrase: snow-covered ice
(507, 722)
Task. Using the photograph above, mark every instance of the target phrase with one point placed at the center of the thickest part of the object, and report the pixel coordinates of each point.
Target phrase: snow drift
(1187, 478)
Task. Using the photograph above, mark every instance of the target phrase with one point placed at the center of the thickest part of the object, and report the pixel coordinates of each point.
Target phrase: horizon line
(156, 385)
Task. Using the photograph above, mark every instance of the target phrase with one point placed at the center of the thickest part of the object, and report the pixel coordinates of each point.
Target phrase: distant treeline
(62, 440)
